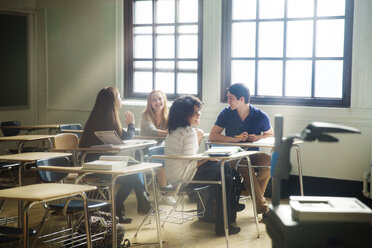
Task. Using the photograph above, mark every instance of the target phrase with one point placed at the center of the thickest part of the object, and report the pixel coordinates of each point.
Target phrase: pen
(239, 136)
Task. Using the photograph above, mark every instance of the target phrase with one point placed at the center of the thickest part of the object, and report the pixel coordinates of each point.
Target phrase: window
(162, 47)
(293, 52)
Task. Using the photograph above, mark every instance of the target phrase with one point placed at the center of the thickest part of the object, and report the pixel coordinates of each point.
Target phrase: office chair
(72, 207)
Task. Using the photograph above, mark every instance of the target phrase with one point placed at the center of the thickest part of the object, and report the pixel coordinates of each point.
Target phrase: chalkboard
(14, 84)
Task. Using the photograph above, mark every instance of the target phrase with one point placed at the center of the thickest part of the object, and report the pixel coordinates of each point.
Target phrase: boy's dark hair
(180, 112)
(239, 90)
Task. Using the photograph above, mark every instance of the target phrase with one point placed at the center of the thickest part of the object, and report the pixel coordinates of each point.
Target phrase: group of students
(241, 122)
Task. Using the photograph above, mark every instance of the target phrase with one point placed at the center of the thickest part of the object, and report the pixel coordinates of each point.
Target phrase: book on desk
(220, 151)
(110, 163)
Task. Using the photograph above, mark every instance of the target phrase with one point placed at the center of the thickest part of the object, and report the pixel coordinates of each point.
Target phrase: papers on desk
(110, 163)
(220, 151)
(109, 137)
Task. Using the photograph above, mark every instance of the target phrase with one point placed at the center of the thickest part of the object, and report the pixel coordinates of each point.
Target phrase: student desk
(23, 159)
(40, 193)
(129, 147)
(269, 143)
(132, 169)
(22, 139)
(31, 128)
(223, 159)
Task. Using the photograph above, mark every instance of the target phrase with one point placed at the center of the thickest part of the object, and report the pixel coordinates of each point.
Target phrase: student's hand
(200, 134)
(252, 137)
(129, 117)
(241, 137)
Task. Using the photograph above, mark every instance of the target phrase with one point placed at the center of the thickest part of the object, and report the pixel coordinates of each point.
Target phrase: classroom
(74, 48)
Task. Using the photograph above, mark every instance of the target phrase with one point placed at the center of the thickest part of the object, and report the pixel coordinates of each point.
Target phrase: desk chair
(75, 126)
(71, 208)
(13, 132)
(179, 191)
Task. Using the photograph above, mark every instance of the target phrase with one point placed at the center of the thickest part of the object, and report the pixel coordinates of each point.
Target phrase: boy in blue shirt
(243, 122)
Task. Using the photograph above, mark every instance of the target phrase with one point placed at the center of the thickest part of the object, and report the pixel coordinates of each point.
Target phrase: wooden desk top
(71, 131)
(130, 146)
(32, 156)
(26, 137)
(132, 169)
(266, 142)
(34, 127)
(201, 156)
(44, 191)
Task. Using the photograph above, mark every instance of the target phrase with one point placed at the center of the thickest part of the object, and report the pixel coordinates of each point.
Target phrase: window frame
(282, 100)
(129, 45)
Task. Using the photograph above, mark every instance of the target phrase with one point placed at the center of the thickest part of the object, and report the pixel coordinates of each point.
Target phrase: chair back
(75, 126)
(68, 141)
(10, 132)
(156, 150)
(50, 176)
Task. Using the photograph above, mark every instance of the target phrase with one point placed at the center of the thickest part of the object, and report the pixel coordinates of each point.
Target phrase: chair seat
(6, 165)
(77, 206)
(193, 188)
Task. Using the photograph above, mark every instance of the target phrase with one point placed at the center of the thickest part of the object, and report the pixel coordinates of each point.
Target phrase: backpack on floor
(209, 200)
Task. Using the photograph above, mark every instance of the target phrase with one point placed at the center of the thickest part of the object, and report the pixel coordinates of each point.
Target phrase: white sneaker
(168, 200)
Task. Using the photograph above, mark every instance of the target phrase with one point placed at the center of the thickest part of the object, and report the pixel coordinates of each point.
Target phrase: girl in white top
(184, 139)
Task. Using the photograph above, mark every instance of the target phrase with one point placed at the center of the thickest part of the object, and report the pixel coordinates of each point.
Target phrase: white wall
(79, 47)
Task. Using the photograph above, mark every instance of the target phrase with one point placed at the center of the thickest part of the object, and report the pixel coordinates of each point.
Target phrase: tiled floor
(191, 234)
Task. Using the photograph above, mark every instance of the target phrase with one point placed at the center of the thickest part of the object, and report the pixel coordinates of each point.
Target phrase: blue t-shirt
(255, 123)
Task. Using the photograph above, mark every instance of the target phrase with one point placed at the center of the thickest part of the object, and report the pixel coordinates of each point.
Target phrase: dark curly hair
(180, 112)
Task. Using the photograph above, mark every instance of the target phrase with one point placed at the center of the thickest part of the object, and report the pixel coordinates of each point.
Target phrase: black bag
(209, 200)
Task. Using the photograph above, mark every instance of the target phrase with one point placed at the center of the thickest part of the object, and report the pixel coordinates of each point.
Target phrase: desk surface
(32, 156)
(201, 156)
(34, 127)
(26, 137)
(44, 191)
(71, 131)
(266, 142)
(132, 169)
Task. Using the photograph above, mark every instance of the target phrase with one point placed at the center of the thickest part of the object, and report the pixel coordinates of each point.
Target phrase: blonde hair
(150, 113)
(104, 116)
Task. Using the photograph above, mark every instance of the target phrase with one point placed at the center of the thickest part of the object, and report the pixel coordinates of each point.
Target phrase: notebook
(110, 137)
(217, 151)
(110, 163)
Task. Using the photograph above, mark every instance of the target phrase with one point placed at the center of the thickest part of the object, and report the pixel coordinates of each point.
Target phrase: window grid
(227, 57)
(129, 35)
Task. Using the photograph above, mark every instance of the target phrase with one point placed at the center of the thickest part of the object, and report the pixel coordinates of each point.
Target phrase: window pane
(331, 8)
(243, 39)
(188, 29)
(142, 65)
(330, 38)
(299, 38)
(142, 82)
(187, 83)
(271, 9)
(142, 46)
(243, 9)
(269, 78)
(165, 46)
(328, 78)
(188, 11)
(270, 42)
(164, 81)
(142, 12)
(187, 65)
(298, 78)
(243, 71)
(188, 46)
(142, 30)
(300, 8)
(165, 65)
(164, 30)
(165, 11)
